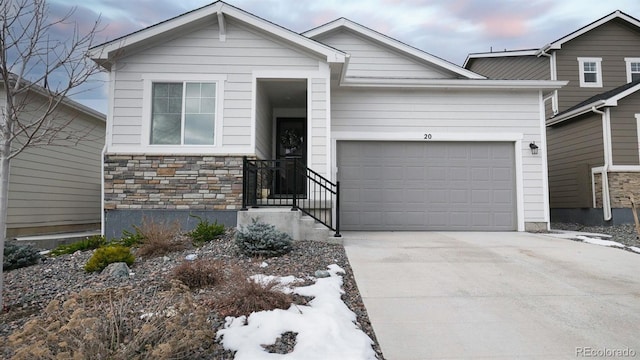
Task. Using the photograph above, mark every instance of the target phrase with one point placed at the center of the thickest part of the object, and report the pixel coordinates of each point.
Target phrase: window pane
(193, 89)
(166, 113)
(208, 105)
(590, 78)
(192, 106)
(589, 67)
(198, 129)
(635, 67)
(165, 129)
(635, 76)
(209, 90)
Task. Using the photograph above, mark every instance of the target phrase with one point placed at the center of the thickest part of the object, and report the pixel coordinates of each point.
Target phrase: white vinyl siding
(590, 72)
(317, 157)
(369, 59)
(468, 115)
(196, 53)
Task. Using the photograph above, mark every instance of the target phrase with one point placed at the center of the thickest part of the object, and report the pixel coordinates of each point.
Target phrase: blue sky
(449, 29)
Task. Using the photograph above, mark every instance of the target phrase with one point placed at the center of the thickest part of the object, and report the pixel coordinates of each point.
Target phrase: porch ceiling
(285, 93)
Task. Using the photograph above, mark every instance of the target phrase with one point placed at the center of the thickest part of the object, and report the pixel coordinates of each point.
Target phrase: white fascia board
(453, 83)
(614, 99)
(392, 43)
(101, 52)
(575, 112)
(616, 14)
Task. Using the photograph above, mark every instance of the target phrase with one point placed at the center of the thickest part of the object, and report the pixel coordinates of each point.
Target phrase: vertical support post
(337, 234)
(244, 183)
(295, 185)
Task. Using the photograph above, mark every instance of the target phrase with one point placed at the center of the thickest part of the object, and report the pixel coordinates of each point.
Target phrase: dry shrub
(199, 273)
(106, 325)
(246, 296)
(159, 238)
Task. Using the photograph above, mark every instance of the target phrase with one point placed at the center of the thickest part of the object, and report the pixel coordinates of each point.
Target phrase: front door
(291, 145)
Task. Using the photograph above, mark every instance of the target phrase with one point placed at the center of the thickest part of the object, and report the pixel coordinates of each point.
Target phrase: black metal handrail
(289, 182)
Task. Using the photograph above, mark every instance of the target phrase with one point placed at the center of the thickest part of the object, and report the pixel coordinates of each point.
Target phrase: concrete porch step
(298, 225)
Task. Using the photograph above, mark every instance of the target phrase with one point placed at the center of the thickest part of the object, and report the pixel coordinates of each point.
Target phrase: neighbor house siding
(575, 147)
(612, 42)
(512, 67)
(466, 113)
(56, 188)
(369, 59)
(200, 52)
(624, 133)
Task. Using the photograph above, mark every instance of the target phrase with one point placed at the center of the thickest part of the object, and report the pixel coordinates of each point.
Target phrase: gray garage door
(427, 185)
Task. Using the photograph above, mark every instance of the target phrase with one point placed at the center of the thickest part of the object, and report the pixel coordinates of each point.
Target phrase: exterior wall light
(534, 148)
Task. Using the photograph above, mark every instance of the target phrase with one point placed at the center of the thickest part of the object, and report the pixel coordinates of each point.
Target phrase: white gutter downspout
(104, 151)
(606, 198)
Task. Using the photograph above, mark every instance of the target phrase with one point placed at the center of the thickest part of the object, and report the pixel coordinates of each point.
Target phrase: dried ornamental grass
(108, 325)
(199, 273)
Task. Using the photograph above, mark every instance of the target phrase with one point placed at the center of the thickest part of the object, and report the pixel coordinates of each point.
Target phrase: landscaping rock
(117, 270)
(322, 273)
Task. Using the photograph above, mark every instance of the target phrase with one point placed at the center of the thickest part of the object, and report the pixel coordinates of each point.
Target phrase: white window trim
(628, 61)
(149, 79)
(638, 133)
(598, 62)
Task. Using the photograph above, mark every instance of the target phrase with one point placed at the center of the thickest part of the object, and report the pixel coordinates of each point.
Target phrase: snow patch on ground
(326, 327)
(597, 241)
(592, 238)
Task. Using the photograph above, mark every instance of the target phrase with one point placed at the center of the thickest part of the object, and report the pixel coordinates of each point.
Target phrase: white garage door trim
(517, 138)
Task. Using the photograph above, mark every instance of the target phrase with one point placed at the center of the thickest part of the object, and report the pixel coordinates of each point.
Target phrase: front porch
(269, 186)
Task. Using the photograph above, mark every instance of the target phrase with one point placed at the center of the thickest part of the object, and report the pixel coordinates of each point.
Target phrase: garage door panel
(427, 186)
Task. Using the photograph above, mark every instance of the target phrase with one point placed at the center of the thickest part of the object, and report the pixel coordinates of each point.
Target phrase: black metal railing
(288, 182)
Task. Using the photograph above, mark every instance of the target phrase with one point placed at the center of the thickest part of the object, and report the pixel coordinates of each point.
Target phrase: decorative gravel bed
(622, 233)
(28, 290)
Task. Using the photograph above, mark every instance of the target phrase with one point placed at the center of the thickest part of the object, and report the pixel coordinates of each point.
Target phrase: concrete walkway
(434, 295)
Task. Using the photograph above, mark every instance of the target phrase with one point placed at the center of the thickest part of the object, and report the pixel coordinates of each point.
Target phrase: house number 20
(427, 136)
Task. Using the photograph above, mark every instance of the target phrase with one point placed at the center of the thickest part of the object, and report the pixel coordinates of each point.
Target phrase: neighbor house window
(590, 72)
(183, 113)
(633, 69)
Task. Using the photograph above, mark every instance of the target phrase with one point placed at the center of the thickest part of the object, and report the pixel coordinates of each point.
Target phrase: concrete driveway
(434, 295)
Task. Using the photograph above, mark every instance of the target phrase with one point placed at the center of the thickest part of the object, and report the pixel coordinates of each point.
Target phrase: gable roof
(422, 56)
(556, 45)
(105, 52)
(605, 99)
(614, 15)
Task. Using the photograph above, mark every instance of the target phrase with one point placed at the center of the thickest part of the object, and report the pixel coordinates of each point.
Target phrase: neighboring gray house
(55, 188)
(593, 130)
(416, 142)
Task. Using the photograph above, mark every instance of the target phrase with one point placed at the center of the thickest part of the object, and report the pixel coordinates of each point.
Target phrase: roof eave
(392, 43)
(577, 112)
(454, 83)
(103, 53)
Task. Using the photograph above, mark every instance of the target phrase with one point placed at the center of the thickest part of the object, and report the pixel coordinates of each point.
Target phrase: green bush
(205, 231)
(104, 256)
(19, 255)
(261, 239)
(130, 239)
(89, 243)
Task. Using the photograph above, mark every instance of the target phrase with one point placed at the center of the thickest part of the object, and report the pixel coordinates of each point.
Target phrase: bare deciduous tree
(34, 64)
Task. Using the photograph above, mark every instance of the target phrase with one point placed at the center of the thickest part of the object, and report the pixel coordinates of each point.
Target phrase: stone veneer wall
(621, 185)
(172, 182)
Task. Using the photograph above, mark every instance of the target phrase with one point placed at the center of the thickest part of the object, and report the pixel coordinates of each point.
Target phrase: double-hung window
(633, 69)
(183, 113)
(590, 72)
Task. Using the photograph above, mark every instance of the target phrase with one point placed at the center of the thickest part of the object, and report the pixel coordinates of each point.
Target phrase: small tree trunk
(4, 204)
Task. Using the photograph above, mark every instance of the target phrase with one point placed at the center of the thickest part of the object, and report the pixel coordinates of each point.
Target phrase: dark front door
(291, 153)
